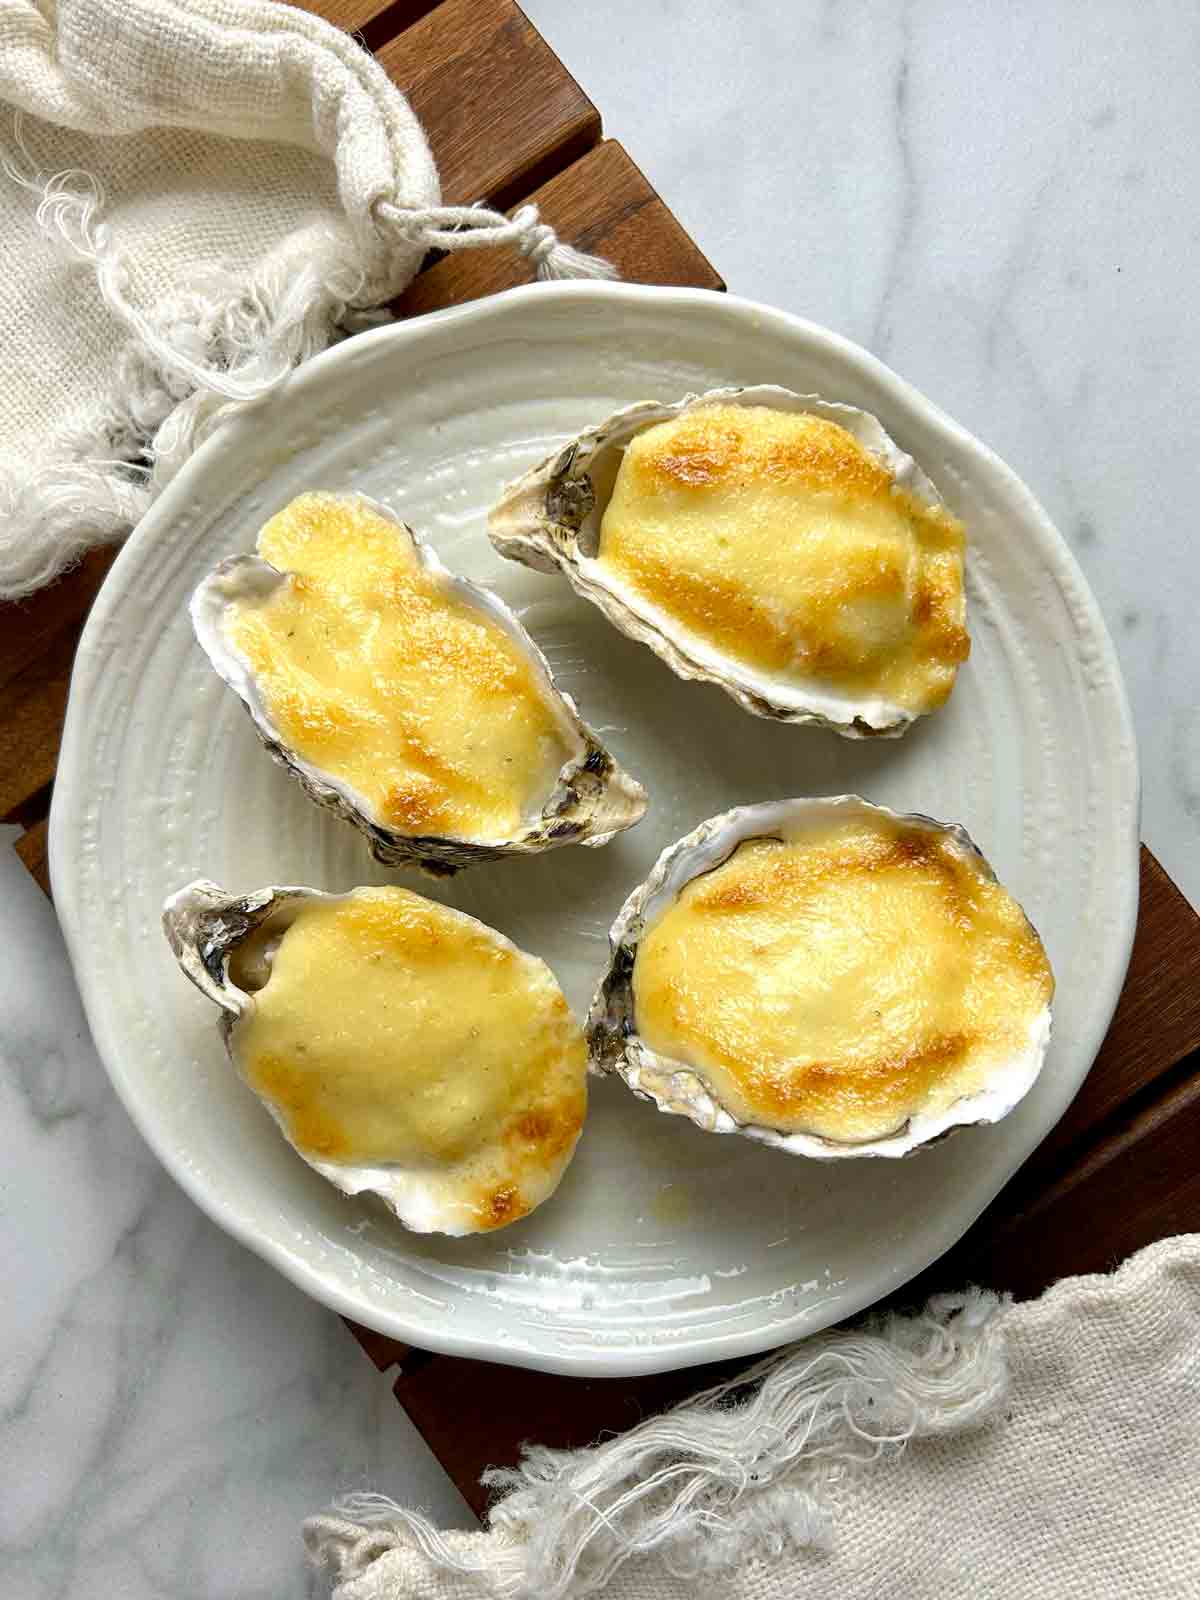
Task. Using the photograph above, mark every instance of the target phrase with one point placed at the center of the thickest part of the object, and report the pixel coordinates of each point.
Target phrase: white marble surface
(170, 1408)
(999, 200)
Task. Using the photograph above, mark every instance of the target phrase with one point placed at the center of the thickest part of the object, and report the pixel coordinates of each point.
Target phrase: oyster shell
(788, 998)
(863, 644)
(583, 795)
(403, 1048)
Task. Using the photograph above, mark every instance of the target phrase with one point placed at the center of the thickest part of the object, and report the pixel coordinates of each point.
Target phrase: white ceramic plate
(665, 1245)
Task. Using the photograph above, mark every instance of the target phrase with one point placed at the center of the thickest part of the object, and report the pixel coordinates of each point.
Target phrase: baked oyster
(410, 702)
(775, 544)
(826, 976)
(403, 1048)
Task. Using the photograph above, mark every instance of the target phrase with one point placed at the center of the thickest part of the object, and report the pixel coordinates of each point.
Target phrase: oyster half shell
(551, 518)
(587, 801)
(403, 1048)
(837, 976)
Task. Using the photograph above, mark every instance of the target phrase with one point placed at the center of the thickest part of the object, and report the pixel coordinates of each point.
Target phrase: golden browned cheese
(837, 982)
(372, 672)
(393, 1030)
(780, 541)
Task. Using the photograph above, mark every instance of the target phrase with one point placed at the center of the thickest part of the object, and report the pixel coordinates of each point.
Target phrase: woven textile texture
(195, 195)
(1050, 1449)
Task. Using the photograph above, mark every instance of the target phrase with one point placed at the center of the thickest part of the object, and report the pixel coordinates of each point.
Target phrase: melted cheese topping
(374, 672)
(780, 541)
(396, 1031)
(838, 982)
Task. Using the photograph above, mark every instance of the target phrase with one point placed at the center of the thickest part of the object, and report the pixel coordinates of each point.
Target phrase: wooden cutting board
(509, 124)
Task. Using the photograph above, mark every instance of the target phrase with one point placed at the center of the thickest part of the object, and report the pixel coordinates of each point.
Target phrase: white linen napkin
(195, 195)
(981, 1449)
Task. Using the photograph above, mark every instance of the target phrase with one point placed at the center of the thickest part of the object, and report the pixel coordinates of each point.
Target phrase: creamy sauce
(780, 541)
(393, 1030)
(836, 982)
(376, 674)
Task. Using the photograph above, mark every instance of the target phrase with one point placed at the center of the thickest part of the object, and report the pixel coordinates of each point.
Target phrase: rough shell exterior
(614, 1044)
(593, 799)
(549, 519)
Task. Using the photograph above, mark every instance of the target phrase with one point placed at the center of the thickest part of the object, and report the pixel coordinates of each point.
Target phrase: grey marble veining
(170, 1407)
(998, 200)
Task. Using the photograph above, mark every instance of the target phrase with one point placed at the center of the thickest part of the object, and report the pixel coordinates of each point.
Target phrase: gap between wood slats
(1160, 994)
(33, 811)
(385, 25)
(29, 627)
(486, 87)
(33, 851)
(384, 1352)
(373, 22)
(603, 204)
(500, 110)
(1138, 1182)
(1145, 1183)
(1156, 1023)
(1161, 1116)
(34, 707)
(1110, 1118)
(38, 640)
(1132, 1178)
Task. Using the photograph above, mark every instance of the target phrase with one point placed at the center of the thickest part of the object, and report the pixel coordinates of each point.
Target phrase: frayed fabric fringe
(748, 1469)
(216, 347)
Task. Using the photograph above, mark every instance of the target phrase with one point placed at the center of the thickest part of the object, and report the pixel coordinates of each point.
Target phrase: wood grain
(1138, 1183)
(506, 121)
(28, 628)
(31, 723)
(501, 111)
(1156, 1024)
(38, 638)
(602, 204)
(1122, 1173)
